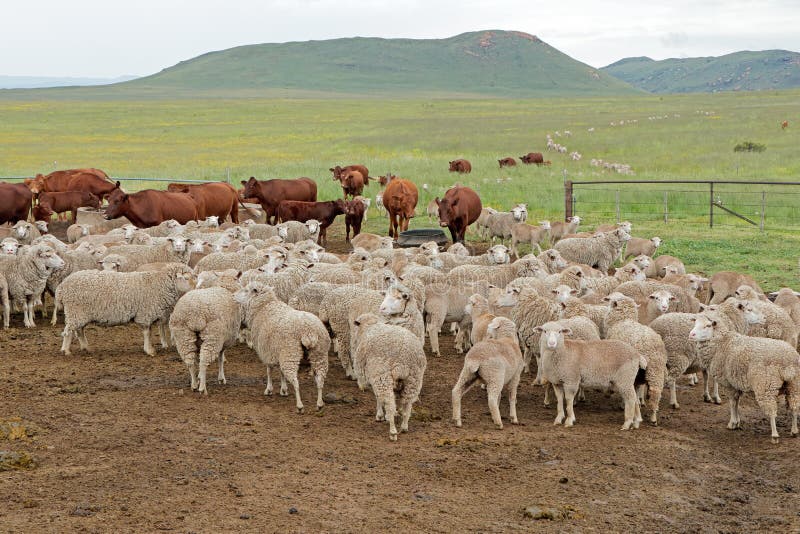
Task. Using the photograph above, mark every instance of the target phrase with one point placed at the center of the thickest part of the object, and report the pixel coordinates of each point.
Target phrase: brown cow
(784, 125)
(338, 172)
(460, 207)
(50, 203)
(384, 180)
(461, 165)
(270, 193)
(150, 207)
(353, 183)
(400, 198)
(324, 212)
(215, 198)
(15, 202)
(507, 162)
(532, 157)
(92, 181)
(353, 216)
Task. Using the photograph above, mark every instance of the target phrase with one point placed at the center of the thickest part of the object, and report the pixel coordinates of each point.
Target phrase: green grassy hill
(741, 71)
(478, 64)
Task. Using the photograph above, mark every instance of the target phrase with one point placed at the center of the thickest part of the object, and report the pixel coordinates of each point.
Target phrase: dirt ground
(120, 442)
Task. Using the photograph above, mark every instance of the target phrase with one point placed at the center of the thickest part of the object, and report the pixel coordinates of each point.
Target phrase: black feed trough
(414, 238)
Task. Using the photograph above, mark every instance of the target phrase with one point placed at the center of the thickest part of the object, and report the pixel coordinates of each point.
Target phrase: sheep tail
(309, 340)
(642, 362)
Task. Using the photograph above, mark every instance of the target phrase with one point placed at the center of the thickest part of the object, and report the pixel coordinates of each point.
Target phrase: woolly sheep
(787, 299)
(574, 307)
(25, 277)
(621, 323)
(529, 234)
(641, 291)
(568, 364)
(173, 250)
(445, 303)
(743, 364)
(776, 323)
(458, 249)
(604, 286)
(660, 264)
(243, 260)
(559, 229)
(203, 324)
(165, 229)
(389, 358)
(260, 231)
(293, 231)
(498, 275)
(310, 295)
(599, 251)
(371, 242)
(725, 283)
(690, 282)
(111, 298)
(553, 261)
(638, 246)
(497, 362)
(24, 232)
(499, 224)
(281, 336)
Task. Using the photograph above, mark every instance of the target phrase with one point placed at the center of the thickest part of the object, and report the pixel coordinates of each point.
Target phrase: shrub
(749, 146)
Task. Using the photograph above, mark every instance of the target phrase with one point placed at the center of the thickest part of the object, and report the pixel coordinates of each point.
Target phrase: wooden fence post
(567, 200)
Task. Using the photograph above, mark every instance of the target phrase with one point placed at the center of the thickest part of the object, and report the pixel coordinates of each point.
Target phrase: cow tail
(252, 211)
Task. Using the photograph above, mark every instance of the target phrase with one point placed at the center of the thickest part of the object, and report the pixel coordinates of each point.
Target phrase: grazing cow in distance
(507, 162)
(532, 157)
(784, 125)
(460, 207)
(400, 200)
(353, 183)
(461, 165)
(270, 193)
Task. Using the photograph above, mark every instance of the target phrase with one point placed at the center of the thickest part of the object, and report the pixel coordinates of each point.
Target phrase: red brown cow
(270, 193)
(15, 202)
(324, 212)
(353, 216)
(399, 198)
(215, 198)
(92, 181)
(461, 165)
(532, 157)
(150, 207)
(353, 183)
(507, 162)
(784, 125)
(338, 172)
(384, 180)
(460, 207)
(50, 203)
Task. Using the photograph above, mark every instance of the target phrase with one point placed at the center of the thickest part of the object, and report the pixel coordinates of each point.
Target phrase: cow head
(446, 206)
(36, 185)
(41, 213)
(354, 207)
(250, 187)
(453, 166)
(117, 204)
(337, 173)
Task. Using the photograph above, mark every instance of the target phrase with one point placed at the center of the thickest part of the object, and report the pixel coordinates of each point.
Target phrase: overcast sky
(117, 37)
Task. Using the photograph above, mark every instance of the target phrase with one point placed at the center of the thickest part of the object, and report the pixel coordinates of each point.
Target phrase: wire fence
(757, 205)
(137, 183)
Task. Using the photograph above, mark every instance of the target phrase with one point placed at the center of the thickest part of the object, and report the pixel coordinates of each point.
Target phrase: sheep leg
(7, 311)
(148, 345)
(268, 391)
(526, 360)
(465, 382)
(512, 398)
(391, 412)
(192, 374)
(673, 396)
(379, 415)
(163, 332)
(640, 393)
(733, 401)
(27, 312)
(581, 394)
(84, 343)
(559, 390)
(547, 388)
(435, 322)
(319, 379)
(221, 372)
(284, 391)
(716, 398)
(406, 402)
(570, 390)
(637, 415)
(289, 373)
(65, 344)
(493, 391)
(693, 380)
(538, 379)
(629, 398)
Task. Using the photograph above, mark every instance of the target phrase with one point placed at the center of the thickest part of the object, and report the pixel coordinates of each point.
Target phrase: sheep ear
(539, 329)
(356, 322)
(566, 331)
(673, 297)
(614, 303)
(554, 291)
(713, 323)
(563, 305)
(651, 297)
(573, 291)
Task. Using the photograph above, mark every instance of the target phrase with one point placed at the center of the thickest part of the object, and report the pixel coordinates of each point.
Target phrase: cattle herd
(187, 265)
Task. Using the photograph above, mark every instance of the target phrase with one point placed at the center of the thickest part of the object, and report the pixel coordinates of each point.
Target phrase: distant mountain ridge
(740, 71)
(35, 82)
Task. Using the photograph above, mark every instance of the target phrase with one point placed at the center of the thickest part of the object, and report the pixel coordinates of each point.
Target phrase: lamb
(658, 303)
(447, 261)
(725, 283)
(498, 275)
(167, 228)
(284, 282)
(574, 307)
(553, 261)
(260, 231)
(599, 251)
(690, 282)
(282, 336)
(602, 287)
(371, 242)
(743, 364)
(625, 225)
(25, 232)
(310, 295)
(445, 303)
(660, 265)
(77, 231)
(25, 277)
(293, 231)
(559, 229)
(638, 246)
(173, 250)
(621, 323)
(204, 323)
(497, 362)
(529, 234)
(776, 323)
(787, 299)
(647, 265)
(244, 260)
(478, 309)
(641, 291)
(111, 298)
(483, 221)
(499, 224)
(569, 364)
(389, 358)
(530, 311)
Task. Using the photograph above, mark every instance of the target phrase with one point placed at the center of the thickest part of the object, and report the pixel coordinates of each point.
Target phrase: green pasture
(267, 138)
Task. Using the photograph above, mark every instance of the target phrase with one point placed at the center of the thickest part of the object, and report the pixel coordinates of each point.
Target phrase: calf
(461, 166)
(353, 216)
(532, 157)
(50, 203)
(324, 212)
(507, 162)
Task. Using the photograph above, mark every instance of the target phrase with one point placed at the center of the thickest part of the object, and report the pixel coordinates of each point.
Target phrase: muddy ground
(121, 443)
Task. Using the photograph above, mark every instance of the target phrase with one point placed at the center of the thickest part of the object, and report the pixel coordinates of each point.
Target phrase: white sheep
(25, 232)
(389, 358)
(26, 277)
(529, 234)
(725, 283)
(638, 246)
(293, 231)
(776, 322)
(499, 224)
(743, 364)
(568, 364)
(165, 229)
(661, 263)
(281, 336)
(174, 249)
(599, 251)
(497, 362)
(559, 229)
(371, 242)
(111, 298)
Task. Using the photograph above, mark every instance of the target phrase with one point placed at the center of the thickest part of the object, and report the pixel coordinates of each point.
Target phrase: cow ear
(244, 183)
(118, 184)
(437, 201)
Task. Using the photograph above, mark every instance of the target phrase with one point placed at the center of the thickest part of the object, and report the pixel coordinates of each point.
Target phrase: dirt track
(121, 443)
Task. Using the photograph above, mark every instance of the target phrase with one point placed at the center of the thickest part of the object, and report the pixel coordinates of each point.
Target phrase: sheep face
(184, 280)
(520, 212)
(575, 220)
(111, 263)
(656, 241)
(556, 259)
(313, 226)
(395, 301)
(552, 335)
(10, 246)
(387, 243)
(22, 229)
(562, 293)
(173, 227)
(642, 262)
(498, 255)
(509, 298)
(626, 225)
(703, 328)
(178, 243)
(662, 300)
(283, 231)
(545, 224)
(41, 226)
(48, 257)
(212, 221)
(752, 315)
(197, 245)
(128, 230)
(746, 293)
(429, 249)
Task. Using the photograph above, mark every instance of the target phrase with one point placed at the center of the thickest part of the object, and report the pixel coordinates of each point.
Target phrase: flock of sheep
(635, 331)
